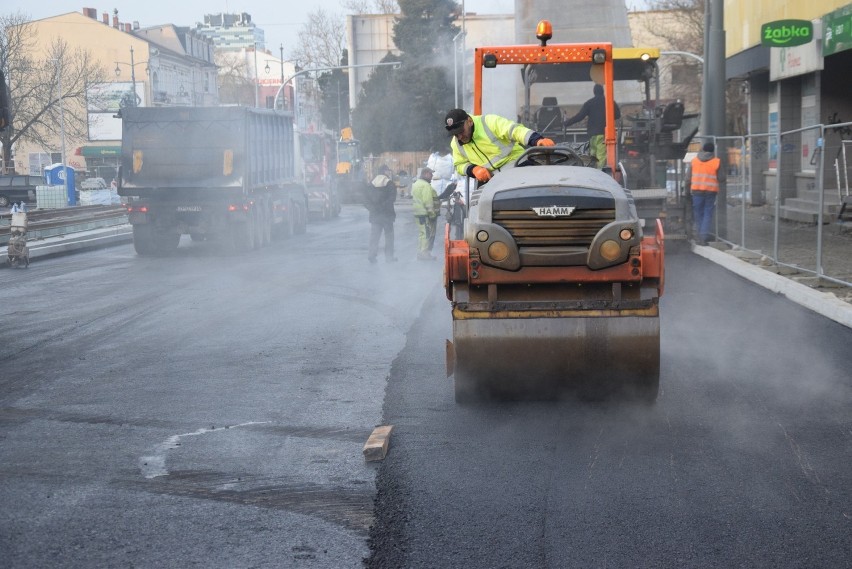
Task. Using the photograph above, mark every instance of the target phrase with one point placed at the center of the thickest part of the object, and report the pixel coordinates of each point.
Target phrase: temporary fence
(786, 208)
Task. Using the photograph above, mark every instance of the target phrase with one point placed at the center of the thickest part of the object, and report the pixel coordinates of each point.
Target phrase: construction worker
(594, 110)
(702, 180)
(379, 199)
(425, 207)
(486, 143)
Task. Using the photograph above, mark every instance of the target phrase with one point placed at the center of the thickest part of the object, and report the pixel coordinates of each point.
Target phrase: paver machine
(555, 285)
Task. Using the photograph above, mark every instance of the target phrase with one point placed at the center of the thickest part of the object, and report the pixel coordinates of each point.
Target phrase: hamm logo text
(554, 211)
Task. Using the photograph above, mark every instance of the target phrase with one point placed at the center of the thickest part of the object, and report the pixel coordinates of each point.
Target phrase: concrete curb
(102, 237)
(825, 304)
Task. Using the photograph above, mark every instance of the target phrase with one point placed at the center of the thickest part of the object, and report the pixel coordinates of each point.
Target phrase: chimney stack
(105, 18)
(115, 21)
(126, 27)
(90, 13)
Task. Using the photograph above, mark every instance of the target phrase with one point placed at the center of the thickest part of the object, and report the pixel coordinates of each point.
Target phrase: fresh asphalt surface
(207, 410)
(743, 462)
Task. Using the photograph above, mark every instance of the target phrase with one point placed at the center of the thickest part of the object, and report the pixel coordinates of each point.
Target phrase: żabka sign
(786, 33)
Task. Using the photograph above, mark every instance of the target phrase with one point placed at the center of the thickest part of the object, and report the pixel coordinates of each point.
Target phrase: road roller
(555, 285)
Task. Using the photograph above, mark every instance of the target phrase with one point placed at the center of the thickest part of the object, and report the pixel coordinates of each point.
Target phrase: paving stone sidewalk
(796, 248)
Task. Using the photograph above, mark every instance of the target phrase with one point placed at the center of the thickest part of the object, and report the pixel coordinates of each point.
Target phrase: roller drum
(542, 358)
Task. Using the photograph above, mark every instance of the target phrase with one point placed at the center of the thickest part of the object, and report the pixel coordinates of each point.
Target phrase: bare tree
(682, 29)
(34, 80)
(322, 40)
(235, 85)
(678, 25)
(371, 6)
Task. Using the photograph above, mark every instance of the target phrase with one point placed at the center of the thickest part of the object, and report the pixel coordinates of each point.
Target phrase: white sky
(280, 20)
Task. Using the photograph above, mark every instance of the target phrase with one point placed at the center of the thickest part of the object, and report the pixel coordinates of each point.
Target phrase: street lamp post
(311, 70)
(61, 124)
(256, 96)
(685, 54)
(281, 47)
(135, 99)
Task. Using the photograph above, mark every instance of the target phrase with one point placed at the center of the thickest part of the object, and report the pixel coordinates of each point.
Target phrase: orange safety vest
(704, 175)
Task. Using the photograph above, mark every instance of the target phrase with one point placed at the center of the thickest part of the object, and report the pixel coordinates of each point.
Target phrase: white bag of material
(441, 166)
(96, 197)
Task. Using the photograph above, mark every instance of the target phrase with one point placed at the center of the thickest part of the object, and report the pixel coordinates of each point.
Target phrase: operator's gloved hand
(479, 172)
(537, 139)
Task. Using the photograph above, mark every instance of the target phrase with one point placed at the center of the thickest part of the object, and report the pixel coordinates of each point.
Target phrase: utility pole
(715, 83)
(282, 63)
(62, 125)
(133, 75)
(254, 76)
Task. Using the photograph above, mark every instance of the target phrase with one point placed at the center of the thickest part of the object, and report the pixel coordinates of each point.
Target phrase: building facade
(163, 65)
(789, 89)
(232, 31)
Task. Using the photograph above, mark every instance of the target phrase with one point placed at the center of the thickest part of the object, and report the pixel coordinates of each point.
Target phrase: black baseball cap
(455, 120)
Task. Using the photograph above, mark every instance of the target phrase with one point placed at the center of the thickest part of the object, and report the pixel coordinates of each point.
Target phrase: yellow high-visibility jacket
(424, 199)
(495, 142)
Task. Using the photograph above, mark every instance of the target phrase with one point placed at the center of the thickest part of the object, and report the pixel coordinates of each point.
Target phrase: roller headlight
(610, 250)
(498, 251)
(482, 236)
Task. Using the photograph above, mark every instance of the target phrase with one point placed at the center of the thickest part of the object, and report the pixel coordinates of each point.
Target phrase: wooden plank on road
(376, 446)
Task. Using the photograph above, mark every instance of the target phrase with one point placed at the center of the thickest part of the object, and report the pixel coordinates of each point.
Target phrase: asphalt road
(200, 410)
(743, 462)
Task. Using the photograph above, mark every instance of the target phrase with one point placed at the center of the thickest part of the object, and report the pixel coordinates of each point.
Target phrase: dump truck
(555, 285)
(316, 150)
(215, 173)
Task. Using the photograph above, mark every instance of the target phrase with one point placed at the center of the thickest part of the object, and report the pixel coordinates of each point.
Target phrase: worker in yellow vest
(702, 180)
(483, 144)
(425, 207)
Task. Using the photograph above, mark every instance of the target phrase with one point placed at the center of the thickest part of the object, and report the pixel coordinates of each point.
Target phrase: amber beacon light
(544, 31)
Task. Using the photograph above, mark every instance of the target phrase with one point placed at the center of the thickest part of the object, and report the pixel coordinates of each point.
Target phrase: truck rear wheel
(242, 236)
(143, 240)
(167, 241)
(257, 226)
(301, 226)
(267, 224)
(148, 241)
(289, 222)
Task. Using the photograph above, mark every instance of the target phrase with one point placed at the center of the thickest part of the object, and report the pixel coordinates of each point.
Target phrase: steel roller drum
(543, 358)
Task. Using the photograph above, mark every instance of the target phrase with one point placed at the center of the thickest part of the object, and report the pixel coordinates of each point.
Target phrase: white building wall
(369, 39)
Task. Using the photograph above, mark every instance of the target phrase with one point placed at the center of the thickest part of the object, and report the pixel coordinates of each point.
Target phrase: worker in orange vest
(702, 180)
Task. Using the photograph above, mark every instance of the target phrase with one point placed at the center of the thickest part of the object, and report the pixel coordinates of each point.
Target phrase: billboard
(104, 102)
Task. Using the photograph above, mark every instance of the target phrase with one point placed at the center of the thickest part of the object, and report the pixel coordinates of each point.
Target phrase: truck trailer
(215, 173)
